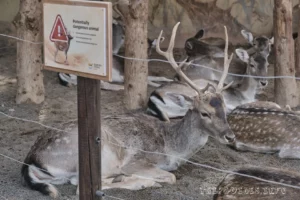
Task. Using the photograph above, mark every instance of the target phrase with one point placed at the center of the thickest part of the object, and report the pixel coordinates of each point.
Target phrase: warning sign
(59, 32)
(78, 38)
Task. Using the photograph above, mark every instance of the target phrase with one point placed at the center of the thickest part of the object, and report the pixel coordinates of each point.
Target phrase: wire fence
(141, 150)
(165, 61)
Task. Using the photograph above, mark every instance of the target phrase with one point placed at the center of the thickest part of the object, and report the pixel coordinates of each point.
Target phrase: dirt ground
(60, 106)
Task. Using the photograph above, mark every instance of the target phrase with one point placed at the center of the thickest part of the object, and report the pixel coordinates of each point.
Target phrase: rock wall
(253, 15)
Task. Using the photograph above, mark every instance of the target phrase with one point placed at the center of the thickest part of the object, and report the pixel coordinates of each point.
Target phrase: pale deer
(63, 46)
(239, 187)
(264, 127)
(118, 65)
(54, 157)
(243, 91)
(213, 47)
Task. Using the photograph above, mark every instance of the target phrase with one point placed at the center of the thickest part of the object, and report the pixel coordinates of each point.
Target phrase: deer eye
(205, 115)
(251, 65)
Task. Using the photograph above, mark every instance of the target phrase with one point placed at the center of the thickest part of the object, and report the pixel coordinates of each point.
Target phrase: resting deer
(195, 47)
(63, 46)
(245, 188)
(54, 157)
(118, 65)
(244, 90)
(264, 127)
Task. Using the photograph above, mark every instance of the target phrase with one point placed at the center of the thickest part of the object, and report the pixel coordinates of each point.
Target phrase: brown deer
(239, 187)
(63, 46)
(54, 157)
(264, 127)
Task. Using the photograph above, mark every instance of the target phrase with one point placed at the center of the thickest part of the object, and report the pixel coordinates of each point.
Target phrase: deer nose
(264, 83)
(229, 137)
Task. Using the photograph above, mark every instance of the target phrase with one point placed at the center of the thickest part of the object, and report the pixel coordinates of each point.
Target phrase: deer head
(208, 103)
(261, 44)
(257, 65)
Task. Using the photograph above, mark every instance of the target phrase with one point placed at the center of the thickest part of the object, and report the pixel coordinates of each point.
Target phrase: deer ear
(248, 36)
(189, 45)
(179, 99)
(199, 34)
(154, 42)
(243, 55)
(272, 40)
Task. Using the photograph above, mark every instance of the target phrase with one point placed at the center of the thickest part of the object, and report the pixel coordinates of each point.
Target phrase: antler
(170, 57)
(227, 61)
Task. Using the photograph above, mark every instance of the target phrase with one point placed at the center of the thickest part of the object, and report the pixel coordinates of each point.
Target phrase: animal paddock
(16, 138)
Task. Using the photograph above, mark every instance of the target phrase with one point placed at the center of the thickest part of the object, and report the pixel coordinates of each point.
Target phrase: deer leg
(140, 175)
(66, 61)
(112, 87)
(55, 55)
(260, 149)
(159, 79)
(153, 84)
(292, 152)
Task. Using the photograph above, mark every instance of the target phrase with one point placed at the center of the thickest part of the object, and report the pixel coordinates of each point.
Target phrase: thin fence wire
(20, 39)
(165, 61)
(169, 155)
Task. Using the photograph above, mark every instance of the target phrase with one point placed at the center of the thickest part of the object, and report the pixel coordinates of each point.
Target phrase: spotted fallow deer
(54, 157)
(239, 187)
(264, 127)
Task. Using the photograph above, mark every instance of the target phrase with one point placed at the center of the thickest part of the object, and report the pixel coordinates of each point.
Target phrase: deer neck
(186, 137)
(248, 86)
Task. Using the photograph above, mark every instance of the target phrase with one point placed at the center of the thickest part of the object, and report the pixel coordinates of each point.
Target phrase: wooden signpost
(78, 40)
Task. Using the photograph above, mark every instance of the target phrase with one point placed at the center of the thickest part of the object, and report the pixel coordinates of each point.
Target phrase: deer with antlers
(53, 159)
(241, 92)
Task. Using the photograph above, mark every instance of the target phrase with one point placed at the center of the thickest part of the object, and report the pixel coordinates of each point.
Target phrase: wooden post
(89, 138)
(285, 88)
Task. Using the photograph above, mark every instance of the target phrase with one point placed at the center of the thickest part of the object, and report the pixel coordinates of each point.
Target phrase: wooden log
(285, 88)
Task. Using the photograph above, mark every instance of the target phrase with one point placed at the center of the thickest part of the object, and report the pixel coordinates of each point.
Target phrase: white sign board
(77, 38)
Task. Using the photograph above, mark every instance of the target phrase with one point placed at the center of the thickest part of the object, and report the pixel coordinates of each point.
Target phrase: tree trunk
(285, 88)
(135, 15)
(297, 51)
(29, 56)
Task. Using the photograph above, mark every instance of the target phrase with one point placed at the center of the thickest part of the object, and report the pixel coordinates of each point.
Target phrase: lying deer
(264, 127)
(245, 188)
(63, 46)
(118, 65)
(54, 157)
(195, 47)
(244, 91)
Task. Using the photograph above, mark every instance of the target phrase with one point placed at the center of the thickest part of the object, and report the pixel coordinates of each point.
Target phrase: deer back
(264, 127)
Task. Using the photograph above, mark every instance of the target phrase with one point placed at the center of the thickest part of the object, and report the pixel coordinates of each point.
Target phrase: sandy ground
(16, 138)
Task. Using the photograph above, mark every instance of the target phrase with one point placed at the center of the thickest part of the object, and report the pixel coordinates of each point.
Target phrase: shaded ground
(16, 138)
